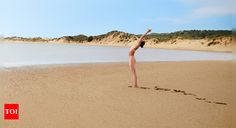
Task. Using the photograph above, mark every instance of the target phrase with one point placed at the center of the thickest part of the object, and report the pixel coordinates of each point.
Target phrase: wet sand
(171, 94)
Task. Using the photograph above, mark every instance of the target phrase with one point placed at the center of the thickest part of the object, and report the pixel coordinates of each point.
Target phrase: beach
(224, 45)
(184, 94)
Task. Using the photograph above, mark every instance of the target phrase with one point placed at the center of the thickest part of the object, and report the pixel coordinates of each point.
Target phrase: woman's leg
(135, 77)
(133, 71)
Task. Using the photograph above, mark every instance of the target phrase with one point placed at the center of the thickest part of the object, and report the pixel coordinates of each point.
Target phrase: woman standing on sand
(132, 60)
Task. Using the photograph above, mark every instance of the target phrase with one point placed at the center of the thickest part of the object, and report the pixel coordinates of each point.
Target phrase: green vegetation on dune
(78, 38)
(112, 34)
(127, 37)
(191, 34)
(34, 39)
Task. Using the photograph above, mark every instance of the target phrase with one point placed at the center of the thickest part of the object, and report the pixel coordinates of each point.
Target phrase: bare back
(132, 50)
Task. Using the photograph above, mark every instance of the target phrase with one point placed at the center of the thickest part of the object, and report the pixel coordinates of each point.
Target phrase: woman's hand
(141, 38)
(149, 30)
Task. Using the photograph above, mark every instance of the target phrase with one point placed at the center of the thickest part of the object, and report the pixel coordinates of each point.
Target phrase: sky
(56, 18)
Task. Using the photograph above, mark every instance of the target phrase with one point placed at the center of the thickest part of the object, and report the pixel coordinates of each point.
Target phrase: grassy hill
(212, 40)
(192, 34)
(160, 37)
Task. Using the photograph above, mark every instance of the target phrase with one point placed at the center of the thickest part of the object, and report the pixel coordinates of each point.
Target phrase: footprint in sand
(144, 87)
(208, 101)
(200, 98)
(184, 93)
(175, 90)
(214, 102)
(191, 94)
(140, 87)
(220, 103)
(161, 89)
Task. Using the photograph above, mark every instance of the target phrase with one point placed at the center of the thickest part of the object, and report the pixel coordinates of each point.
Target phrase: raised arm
(141, 39)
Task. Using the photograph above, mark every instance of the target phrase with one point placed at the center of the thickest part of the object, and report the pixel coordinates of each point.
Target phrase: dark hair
(142, 44)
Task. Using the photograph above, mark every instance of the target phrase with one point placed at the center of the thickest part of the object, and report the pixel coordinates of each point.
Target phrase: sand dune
(117, 38)
(173, 94)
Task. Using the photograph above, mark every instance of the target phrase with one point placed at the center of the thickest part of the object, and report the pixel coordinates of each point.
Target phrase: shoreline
(33, 66)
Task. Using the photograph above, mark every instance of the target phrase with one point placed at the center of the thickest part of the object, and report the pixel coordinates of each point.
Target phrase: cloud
(216, 11)
(210, 8)
(199, 9)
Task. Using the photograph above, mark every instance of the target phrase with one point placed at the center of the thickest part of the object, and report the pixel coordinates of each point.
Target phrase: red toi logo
(11, 111)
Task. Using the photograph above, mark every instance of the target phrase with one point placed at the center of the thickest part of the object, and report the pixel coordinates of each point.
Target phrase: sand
(180, 44)
(178, 95)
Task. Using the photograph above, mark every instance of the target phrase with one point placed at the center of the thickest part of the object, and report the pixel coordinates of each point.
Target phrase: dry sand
(180, 44)
(98, 96)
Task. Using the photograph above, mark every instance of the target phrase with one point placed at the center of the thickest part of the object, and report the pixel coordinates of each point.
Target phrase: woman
(132, 60)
